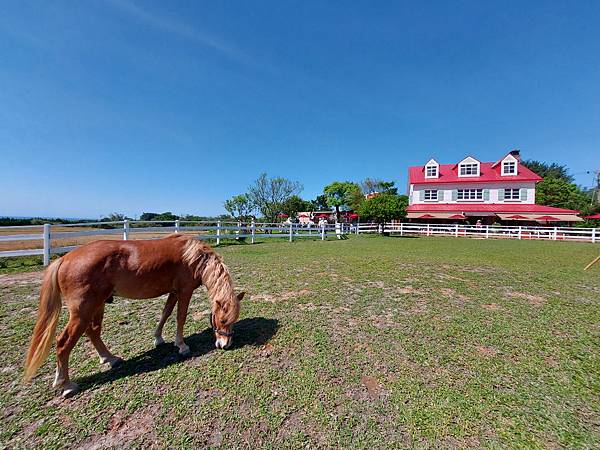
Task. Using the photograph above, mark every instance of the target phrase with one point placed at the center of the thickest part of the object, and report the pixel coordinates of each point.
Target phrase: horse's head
(224, 315)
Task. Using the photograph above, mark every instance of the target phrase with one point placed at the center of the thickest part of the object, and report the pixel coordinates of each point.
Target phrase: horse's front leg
(167, 310)
(182, 309)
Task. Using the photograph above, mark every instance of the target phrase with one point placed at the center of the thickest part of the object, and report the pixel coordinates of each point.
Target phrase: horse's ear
(240, 296)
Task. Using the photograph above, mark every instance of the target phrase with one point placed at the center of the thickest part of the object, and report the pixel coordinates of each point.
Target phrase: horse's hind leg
(64, 344)
(93, 332)
(168, 309)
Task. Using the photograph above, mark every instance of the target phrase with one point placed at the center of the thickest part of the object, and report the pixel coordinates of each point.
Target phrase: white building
(470, 189)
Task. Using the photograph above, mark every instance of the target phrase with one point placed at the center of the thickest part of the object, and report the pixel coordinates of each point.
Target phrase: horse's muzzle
(223, 342)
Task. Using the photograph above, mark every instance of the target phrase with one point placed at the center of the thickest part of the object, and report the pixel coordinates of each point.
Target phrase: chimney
(516, 153)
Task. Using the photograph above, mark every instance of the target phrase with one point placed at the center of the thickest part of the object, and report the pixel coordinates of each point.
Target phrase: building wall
(446, 189)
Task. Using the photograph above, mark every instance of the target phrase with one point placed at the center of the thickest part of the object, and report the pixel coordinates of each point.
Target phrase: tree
(546, 170)
(562, 194)
(240, 207)
(269, 194)
(148, 216)
(115, 217)
(372, 185)
(383, 208)
(293, 205)
(343, 195)
(319, 203)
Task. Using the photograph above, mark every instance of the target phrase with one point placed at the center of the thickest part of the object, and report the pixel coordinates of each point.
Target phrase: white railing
(485, 232)
(48, 234)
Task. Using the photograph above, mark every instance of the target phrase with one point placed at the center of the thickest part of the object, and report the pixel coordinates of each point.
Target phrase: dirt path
(20, 279)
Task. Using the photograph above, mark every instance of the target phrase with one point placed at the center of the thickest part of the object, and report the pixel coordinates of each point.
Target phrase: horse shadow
(254, 332)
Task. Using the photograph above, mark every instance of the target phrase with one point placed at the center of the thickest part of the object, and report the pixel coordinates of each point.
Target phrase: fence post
(323, 232)
(252, 227)
(520, 232)
(357, 227)
(177, 226)
(46, 244)
(427, 229)
(401, 228)
(593, 235)
(555, 233)
(487, 231)
(125, 230)
(291, 231)
(456, 230)
(218, 232)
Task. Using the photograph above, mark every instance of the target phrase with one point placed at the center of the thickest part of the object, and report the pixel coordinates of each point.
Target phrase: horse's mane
(208, 266)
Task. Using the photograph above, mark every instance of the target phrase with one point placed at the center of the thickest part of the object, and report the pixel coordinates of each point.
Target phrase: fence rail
(50, 234)
(484, 232)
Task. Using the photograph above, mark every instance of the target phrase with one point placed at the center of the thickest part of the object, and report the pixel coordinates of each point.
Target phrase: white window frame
(469, 167)
(431, 195)
(469, 194)
(434, 170)
(512, 165)
(509, 194)
(468, 170)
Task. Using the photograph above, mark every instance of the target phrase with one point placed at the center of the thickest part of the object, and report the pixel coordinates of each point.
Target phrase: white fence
(49, 234)
(484, 232)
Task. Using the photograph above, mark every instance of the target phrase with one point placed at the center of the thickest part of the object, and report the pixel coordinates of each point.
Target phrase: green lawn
(368, 342)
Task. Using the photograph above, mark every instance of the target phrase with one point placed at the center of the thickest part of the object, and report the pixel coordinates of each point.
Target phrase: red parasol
(547, 219)
(457, 216)
(595, 216)
(426, 216)
(283, 216)
(516, 217)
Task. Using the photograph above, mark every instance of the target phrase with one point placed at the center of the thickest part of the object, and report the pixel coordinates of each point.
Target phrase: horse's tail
(45, 327)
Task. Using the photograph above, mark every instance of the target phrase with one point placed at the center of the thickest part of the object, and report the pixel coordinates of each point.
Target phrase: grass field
(368, 342)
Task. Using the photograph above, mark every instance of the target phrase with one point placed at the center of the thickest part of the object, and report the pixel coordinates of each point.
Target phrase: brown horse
(90, 275)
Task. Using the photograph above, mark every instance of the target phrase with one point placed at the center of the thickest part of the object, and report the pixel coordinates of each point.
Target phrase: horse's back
(133, 269)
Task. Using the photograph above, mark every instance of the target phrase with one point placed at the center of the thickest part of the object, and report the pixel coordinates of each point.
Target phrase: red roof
(488, 173)
(488, 208)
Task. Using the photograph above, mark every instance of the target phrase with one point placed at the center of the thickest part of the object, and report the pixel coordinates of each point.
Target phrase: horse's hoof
(70, 389)
(184, 350)
(116, 362)
(158, 341)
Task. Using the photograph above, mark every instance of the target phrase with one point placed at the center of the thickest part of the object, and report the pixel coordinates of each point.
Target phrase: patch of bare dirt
(406, 290)
(201, 315)
(492, 307)
(452, 294)
(21, 279)
(271, 298)
(266, 350)
(124, 430)
(485, 350)
(370, 389)
(534, 300)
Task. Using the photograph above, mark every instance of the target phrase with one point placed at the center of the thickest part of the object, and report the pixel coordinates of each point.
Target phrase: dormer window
(431, 172)
(468, 167)
(509, 168)
(432, 169)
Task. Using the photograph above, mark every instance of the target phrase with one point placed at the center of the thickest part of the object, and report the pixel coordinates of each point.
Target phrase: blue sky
(116, 105)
